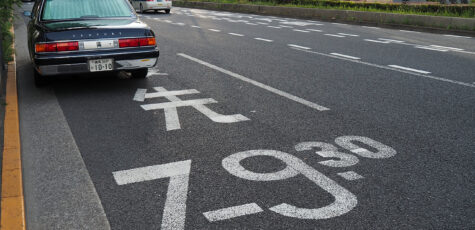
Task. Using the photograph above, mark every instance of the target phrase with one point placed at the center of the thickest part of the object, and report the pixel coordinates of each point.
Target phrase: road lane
(422, 130)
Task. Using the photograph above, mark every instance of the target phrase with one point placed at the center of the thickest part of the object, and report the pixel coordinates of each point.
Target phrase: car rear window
(85, 9)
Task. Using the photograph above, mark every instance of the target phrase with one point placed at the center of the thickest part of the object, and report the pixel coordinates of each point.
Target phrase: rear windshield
(85, 9)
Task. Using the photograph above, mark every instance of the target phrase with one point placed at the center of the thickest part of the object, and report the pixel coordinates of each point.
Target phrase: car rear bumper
(77, 63)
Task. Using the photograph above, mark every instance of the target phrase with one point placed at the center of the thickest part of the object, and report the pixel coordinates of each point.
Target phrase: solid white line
(258, 84)
(409, 69)
(335, 35)
(345, 56)
(240, 35)
(263, 39)
(300, 47)
(389, 68)
(351, 35)
(214, 30)
(314, 30)
(231, 212)
(455, 36)
(303, 31)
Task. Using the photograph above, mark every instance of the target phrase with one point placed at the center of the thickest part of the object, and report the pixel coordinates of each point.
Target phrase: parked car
(83, 36)
(156, 5)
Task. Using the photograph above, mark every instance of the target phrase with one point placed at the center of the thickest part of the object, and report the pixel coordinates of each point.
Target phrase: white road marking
(409, 69)
(390, 40)
(377, 41)
(446, 47)
(258, 84)
(179, 23)
(287, 26)
(263, 39)
(171, 93)
(232, 212)
(350, 175)
(250, 23)
(240, 35)
(371, 27)
(343, 200)
(300, 47)
(314, 30)
(335, 35)
(196, 26)
(303, 31)
(410, 31)
(388, 68)
(275, 27)
(175, 104)
(383, 151)
(345, 56)
(140, 95)
(297, 23)
(174, 212)
(351, 35)
(214, 30)
(455, 36)
(262, 23)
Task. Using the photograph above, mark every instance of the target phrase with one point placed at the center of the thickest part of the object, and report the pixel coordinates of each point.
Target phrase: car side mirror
(27, 14)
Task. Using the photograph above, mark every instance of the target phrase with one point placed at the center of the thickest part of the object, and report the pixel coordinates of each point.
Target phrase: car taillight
(136, 42)
(56, 47)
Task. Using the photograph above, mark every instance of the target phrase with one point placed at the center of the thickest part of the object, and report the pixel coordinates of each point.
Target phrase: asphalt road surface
(257, 122)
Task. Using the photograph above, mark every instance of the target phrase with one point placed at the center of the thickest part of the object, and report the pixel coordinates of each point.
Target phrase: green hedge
(6, 16)
(449, 10)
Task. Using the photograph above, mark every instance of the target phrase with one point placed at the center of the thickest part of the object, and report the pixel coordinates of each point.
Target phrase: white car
(156, 5)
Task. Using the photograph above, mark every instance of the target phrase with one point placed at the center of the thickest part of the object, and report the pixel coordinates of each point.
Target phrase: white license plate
(101, 65)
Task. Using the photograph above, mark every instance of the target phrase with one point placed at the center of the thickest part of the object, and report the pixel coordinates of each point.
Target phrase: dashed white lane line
(263, 39)
(351, 35)
(389, 68)
(455, 36)
(252, 24)
(409, 69)
(303, 31)
(262, 23)
(314, 30)
(335, 35)
(234, 34)
(196, 26)
(345, 56)
(299, 47)
(231, 212)
(290, 27)
(214, 30)
(275, 27)
(258, 84)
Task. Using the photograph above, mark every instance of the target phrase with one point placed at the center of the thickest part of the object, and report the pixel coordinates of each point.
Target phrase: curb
(12, 200)
(417, 22)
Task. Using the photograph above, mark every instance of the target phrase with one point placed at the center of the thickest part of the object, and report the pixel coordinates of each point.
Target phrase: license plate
(101, 65)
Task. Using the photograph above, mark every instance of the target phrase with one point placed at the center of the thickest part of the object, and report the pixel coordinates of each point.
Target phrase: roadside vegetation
(6, 17)
(433, 8)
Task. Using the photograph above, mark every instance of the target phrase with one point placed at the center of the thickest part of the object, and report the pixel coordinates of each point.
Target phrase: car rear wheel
(140, 73)
(167, 11)
(40, 81)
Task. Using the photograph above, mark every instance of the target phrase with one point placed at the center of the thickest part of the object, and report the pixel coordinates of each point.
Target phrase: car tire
(167, 11)
(40, 80)
(139, 74)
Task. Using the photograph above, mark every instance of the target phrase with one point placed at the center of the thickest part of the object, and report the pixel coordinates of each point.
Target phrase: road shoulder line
(12, 204)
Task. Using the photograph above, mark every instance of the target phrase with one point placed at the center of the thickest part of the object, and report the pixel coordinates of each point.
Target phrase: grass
(6, 17)
(465, 11)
